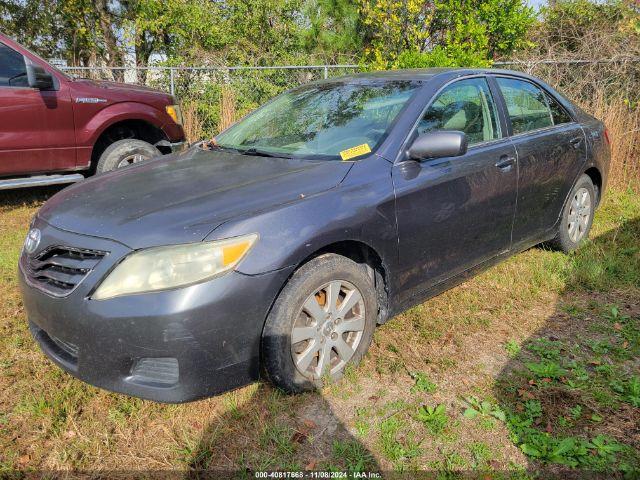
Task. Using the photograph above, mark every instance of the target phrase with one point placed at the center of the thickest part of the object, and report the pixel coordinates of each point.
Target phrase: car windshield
(324, 121)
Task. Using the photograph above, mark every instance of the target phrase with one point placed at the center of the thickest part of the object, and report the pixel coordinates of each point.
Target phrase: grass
(531, 365)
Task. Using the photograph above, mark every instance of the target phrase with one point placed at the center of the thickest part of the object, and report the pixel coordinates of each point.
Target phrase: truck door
(36, 127)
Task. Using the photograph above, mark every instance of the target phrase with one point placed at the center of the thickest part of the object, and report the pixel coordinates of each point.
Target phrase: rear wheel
(124, 153)
(322, 322)
(577, 216)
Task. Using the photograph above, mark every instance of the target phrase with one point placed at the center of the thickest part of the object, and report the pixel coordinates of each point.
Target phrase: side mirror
(438, 144)
(38, 77)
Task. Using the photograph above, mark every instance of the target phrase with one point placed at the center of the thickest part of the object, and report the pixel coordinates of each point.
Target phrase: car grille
(59, 270)
(67, 347)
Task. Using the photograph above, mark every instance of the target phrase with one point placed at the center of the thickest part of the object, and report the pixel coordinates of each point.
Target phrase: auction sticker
(353, 152)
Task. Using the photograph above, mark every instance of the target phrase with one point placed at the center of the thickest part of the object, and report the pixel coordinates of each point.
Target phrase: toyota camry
(275, 249)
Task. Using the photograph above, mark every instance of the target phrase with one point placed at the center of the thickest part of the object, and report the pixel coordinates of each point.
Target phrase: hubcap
(131, 159)
(328, 329)
(579, 215)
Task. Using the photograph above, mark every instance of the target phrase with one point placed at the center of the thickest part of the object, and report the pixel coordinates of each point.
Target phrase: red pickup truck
(55, 129)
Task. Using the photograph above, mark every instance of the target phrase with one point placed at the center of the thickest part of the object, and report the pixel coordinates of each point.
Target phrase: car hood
(182, 198)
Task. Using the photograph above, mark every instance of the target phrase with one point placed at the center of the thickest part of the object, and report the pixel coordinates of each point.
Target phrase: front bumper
(171, 346)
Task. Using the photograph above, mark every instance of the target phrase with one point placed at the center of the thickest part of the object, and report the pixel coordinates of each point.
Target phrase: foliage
(586, 27)
(435, 419)
(423, 384)
(546, 369)
(332, 29)
(385, 33)
(443, 33)
(394, 445)
(391, 27)
(629, 389)
(55, 28)
(482, 408)
(512, 348)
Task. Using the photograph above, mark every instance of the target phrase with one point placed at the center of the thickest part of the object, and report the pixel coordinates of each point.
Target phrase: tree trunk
(105, 21)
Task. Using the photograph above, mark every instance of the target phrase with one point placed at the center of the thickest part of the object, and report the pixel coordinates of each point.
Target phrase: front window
(324, 121)
(13, 71)
(466, 106)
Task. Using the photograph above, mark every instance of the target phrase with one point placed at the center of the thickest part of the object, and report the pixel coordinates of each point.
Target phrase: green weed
(435, 419)
(423, 384)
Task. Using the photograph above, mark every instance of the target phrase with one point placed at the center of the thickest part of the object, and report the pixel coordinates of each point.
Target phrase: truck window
(13, 72)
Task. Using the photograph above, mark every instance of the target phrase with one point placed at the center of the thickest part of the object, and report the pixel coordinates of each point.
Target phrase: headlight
(161, 268)
(175, 113)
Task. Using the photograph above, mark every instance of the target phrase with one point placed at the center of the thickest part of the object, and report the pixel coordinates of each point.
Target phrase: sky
(537, 3)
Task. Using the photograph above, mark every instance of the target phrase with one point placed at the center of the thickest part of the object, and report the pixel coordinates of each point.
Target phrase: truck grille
(59, 270)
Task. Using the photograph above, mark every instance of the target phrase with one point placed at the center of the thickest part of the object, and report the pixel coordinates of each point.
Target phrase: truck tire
(124, 153)
(322, 321)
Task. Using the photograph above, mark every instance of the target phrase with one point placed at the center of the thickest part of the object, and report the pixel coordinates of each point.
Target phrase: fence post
(172, 87)
(326, 72)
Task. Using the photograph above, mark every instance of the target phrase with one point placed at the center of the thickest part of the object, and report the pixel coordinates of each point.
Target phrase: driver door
(36, 127)
(21, 118)
(454, 213)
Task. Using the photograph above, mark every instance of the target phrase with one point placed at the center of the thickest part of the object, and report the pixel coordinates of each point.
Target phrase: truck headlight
(175, 113)
(162, 268)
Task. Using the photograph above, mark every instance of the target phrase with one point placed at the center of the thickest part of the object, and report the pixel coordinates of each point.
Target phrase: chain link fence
(214, 97)
(176, 79)
(584, 80)
(615, 75)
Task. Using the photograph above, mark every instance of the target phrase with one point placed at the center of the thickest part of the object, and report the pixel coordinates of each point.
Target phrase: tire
(314, 282)
(567, 239)
(128, 150)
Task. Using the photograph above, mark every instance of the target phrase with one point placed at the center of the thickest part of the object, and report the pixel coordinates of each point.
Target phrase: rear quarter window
(558, 112)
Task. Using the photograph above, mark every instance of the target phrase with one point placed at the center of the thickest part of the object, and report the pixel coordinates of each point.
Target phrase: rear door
(551, 150)
(454, 213)
(36, 127)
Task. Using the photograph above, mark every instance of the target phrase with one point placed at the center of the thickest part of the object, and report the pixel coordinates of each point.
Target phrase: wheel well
(596, 178)
(363, 254)
(138, 129)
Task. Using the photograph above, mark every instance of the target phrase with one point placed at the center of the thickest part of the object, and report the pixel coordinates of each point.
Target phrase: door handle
(575, 142)
(505, 164)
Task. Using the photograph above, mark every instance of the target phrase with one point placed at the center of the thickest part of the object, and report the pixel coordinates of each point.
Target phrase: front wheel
(577, 216)
(322, 322)
(124, 153)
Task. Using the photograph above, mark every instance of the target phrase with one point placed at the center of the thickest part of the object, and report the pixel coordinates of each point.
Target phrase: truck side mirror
(38, 77)
(438, 144)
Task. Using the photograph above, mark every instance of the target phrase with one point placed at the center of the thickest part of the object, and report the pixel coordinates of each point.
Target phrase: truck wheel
(322, 322)
(124, 153)
(577, 217)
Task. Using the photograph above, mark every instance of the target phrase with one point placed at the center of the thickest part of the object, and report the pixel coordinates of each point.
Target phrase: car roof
(422, 74)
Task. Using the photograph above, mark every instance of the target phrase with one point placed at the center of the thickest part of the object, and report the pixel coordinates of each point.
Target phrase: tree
(414, 33)
(586, 29)
(330, 29)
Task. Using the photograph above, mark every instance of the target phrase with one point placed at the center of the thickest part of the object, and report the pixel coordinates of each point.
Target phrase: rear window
(527, 105)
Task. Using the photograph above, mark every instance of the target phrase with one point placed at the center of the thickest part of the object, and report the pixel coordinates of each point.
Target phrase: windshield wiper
(261, 153)
(223, 148)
